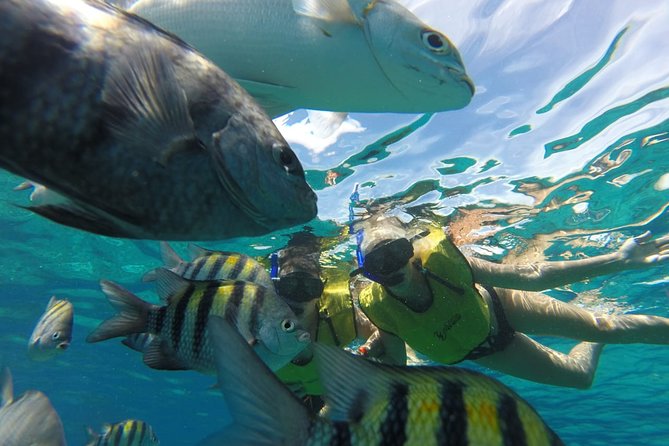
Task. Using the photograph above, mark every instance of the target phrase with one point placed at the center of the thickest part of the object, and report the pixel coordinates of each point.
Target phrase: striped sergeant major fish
(28, 420)
(369, 403)
(53, 332)
(212, 265)
(262, 318)
(124, 433)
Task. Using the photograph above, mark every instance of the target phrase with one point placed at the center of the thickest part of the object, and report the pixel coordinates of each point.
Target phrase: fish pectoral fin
(145, 106)
(264, 412)
(328, 10)
(269, 96)
(71, 214)
(159, 357)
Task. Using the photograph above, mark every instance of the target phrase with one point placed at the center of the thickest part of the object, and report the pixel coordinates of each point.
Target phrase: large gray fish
(124, 433)
(369, 403)
(135, 134)
(337, 55)
(53, 332)
(180, 327)
(28, 420)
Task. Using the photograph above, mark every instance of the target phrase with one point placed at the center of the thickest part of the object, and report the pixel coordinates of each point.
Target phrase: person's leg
(537, 313)
(527, 359)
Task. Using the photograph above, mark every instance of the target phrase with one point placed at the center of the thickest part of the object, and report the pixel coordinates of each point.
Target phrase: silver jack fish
(180, 327)
(28, 420)
(337, 55)
(53, 332)
(369, 403)
(124, 433)
(133, 133)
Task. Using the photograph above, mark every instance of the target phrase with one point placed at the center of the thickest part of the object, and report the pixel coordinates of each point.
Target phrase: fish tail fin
(264, 411)
(132, 316)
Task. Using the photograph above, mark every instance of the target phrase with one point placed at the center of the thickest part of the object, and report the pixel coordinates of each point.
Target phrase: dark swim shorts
(501, 337)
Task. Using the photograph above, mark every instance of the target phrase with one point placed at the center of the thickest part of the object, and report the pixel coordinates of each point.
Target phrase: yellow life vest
(336, 326)
(458, 319)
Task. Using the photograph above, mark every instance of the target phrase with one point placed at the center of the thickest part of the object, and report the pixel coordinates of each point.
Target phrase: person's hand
(641, 251)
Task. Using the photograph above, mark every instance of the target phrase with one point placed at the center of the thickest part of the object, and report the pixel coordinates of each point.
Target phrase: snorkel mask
(296, 269)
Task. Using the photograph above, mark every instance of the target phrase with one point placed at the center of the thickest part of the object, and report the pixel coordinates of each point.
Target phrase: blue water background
(561, 154)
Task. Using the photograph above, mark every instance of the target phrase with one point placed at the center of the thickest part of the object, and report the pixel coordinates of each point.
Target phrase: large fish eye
(287, 159)
(55, 335)
(434, 41)
(288, 326)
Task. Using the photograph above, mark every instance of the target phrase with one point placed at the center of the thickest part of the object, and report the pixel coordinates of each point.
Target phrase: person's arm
(385, 347)
(381, 345)
(637, 252)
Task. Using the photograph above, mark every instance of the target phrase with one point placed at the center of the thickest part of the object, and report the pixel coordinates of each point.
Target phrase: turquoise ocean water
(563, 153)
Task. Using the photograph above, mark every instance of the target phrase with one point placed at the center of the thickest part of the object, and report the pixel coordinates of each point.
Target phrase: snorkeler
(321, 299)
(451, 308)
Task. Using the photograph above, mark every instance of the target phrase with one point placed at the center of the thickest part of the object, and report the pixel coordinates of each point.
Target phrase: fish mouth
(463, 78)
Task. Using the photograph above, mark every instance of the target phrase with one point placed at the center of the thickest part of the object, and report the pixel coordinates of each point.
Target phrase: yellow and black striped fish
(180, 326)
(124, 433)
(53, 332)
(370, 404)
(212, 265)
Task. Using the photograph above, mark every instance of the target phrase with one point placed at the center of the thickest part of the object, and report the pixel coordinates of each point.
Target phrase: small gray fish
(124, 433)
(28, 420)
(129, 132)
(53, 333)
(369, 403)
(212, 265)
(180, 327)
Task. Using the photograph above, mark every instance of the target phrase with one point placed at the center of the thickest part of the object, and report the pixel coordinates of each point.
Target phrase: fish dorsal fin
(146, 106)
(328, 10)
(196, 251)
(263, 410)
(7, 387)
(352, 383)
(51, 303)
(170, 257)
(169, 284)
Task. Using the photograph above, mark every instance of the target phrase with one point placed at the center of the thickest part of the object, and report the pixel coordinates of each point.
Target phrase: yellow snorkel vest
(458, 319)
(336, 326)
